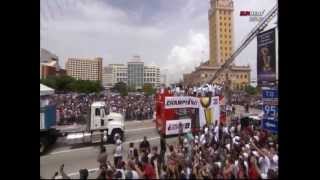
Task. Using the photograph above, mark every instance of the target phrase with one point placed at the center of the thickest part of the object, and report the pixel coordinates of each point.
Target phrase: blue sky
(170, 33)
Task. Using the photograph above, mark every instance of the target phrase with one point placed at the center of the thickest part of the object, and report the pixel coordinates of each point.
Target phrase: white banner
(181, 102)
(194, 102)
(172, 126)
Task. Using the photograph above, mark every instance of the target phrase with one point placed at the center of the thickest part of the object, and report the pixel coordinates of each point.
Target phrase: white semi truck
(103, 126)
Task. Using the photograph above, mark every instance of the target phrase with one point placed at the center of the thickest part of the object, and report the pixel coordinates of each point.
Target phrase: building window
(241, 76)
(220, 23)
(237, 76)
(245, 76)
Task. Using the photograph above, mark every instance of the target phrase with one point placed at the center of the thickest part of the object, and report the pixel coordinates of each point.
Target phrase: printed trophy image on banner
(205, 103)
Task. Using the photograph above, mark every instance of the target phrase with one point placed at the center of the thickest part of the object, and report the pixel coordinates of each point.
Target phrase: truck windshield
(97, 112)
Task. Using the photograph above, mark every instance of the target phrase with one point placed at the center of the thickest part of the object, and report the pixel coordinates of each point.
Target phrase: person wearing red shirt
(254, 172)
(148, 170)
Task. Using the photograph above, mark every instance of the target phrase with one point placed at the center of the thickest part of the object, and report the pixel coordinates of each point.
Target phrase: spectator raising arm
(156, 168)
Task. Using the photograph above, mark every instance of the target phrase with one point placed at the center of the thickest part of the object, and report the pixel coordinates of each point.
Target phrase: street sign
(270, 110)
(270, 94)
(270, 124)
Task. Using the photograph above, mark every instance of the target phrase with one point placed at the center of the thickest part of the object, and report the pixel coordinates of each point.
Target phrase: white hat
(118, 141)
(228, 147)
(264, 176)
(203, 142)
(255, 153)
(218, 164)
(247, 146)
(245, 155)
(275, 158)
(206, 130)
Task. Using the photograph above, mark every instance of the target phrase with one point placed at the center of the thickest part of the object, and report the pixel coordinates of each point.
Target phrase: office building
(107, 77)
(85, 69)
(135, 73)
(151, 75)
(49, 64)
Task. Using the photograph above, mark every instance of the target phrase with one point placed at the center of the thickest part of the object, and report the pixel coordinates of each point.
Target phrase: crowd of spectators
(75, 108)
(233, 151)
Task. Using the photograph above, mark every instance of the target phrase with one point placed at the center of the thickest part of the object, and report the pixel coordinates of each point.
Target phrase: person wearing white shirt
(264, 162)
(118, 152)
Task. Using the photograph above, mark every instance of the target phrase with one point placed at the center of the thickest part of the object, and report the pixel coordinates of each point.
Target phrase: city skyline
(166, 33)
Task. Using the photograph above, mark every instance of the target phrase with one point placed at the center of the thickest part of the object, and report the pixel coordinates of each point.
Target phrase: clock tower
(220, 18)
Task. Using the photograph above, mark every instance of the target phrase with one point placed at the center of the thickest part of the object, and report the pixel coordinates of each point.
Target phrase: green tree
(122, 88)
(251, 90)
(67, 83)
(148, 89)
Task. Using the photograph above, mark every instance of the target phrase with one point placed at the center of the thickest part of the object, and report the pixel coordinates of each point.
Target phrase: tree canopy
(70, 84)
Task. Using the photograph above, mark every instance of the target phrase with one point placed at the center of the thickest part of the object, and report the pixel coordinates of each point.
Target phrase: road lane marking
(70, 150)
(86, 148)
(96, 169)
(139, 129)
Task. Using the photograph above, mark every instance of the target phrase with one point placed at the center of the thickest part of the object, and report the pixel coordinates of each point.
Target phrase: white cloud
(97, 28)
(183, 59)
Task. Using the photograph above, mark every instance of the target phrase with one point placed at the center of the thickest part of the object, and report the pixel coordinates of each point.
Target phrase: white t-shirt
(274, 164)
(118, 151)
(264, 164)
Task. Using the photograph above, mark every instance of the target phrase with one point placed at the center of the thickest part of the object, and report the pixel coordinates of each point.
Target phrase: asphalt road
(75, 157)
(85, 157)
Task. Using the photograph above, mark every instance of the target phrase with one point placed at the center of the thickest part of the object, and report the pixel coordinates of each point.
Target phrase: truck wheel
(43, 145)
(115, 133)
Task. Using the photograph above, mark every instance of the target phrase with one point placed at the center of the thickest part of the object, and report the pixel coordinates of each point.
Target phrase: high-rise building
(138, 74)
(151, 75)
(119, 73)
(47, 57)
(85, 69)
(107, 77)
(49, 64)
(135, 72)
(221, 32)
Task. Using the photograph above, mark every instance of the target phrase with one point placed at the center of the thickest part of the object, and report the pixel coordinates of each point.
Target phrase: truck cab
(101, 119)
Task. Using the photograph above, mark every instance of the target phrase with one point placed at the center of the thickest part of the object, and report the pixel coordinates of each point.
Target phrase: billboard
(270, 110)
(266, 65)
(172, 126)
